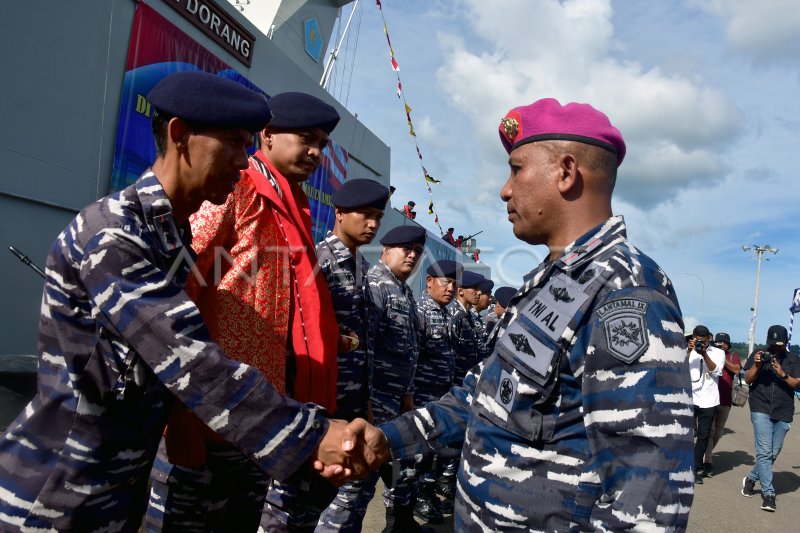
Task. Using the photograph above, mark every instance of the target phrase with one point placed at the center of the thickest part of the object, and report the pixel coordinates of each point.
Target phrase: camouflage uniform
(347, 280)
(464, 338)
(481, 334)
(436, 364)
(435, 371)
(581, 418)
(118, 341)
(393, 328)
(489, 322)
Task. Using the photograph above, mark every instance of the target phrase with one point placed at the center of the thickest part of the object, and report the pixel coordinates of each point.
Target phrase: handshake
(350, 451)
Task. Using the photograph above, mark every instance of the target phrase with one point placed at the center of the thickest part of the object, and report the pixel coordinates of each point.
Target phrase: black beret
(471, 280)
(206, 99)
(701, 331)
(298, 111)
(487, 285)
(503, 295)
(361, 193)
(403, 235)
(445, 268)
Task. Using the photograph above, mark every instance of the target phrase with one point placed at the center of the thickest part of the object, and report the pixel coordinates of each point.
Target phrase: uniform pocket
(585, 499)
(514, 402)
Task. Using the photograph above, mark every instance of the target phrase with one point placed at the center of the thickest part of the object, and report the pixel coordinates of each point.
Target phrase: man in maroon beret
(581, 417)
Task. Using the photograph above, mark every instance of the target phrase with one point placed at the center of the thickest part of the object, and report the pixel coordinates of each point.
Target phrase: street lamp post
(702, 293)
(759, 251)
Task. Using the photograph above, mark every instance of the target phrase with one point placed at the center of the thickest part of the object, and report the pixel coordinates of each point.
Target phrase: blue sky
(705, 93)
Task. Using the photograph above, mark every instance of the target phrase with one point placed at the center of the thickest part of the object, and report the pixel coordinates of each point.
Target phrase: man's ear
(265, 138)
(569, 176)
(178, 133)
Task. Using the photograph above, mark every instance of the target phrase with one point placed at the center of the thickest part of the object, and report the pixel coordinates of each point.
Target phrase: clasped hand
(350, 451)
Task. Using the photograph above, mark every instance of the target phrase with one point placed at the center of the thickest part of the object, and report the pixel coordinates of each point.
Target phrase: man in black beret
(259, 293)
(359, 206)
(501, 296)
(435, 369)
(484, 298)
(463, 330)
(394, 330)
(486, 295)
(121, 342)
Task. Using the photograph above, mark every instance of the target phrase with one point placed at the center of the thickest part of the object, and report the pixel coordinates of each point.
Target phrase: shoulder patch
(625, 328)
(507, 390)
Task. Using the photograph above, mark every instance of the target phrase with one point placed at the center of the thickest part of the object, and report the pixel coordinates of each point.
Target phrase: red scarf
(314, 331)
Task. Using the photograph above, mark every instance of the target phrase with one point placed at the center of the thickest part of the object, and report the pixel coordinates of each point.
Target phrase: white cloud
(673, 125)
(767, 30)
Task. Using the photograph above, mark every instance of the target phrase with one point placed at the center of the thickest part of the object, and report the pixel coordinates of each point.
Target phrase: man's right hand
(350, 451)
(374, 447)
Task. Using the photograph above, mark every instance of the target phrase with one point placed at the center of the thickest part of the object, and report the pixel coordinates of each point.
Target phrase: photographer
(773, 375)
(705, 367)
(733, 365)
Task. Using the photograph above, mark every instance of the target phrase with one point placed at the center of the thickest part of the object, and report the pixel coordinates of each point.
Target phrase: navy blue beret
(297, 111)
(403, 235)
(361, 193)
(445, 268)
(209, 100)
(503, 295)
(487, 285)
(471, 280)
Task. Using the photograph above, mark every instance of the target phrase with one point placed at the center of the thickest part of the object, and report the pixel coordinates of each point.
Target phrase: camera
(699, 345)
(766, 358)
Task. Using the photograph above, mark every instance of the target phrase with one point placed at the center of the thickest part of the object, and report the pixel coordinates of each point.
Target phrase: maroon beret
(548, 120)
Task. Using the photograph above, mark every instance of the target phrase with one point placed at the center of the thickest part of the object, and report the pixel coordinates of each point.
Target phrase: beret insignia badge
(510, 127)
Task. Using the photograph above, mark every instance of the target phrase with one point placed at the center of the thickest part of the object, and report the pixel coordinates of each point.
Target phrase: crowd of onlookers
(772, 375)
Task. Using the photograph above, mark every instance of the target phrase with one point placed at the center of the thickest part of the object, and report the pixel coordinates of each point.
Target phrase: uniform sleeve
(376, 302)
(638, 412)
(455, 331)
(422, 331)
(418, 437)
(143, 305)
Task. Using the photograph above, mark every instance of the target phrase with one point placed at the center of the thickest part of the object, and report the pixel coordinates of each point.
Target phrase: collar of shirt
(340, 251)
(159, 216)
(387, 273)
(428, 302)
(580, 251)
(585, 248)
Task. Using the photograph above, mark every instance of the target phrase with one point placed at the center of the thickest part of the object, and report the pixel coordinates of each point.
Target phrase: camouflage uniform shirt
(393, 328)
(118, 341)
(347, 280)
(464, 338)
(481, 333)
(581, 419)
(436, 363)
